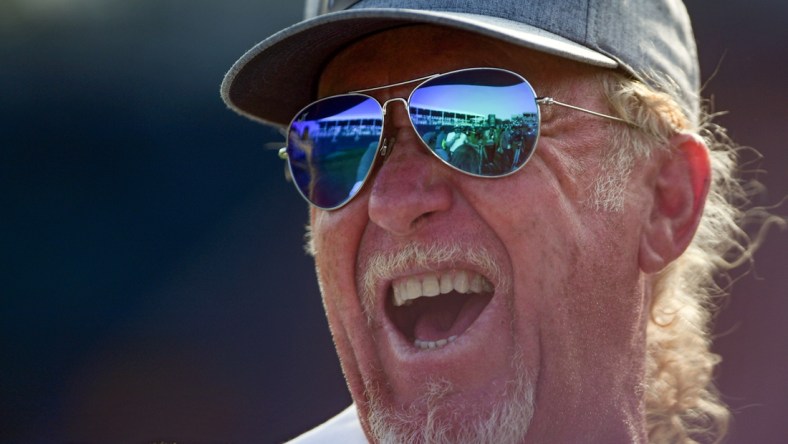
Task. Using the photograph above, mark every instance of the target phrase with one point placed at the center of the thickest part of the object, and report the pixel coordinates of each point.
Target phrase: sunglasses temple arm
(551, 101)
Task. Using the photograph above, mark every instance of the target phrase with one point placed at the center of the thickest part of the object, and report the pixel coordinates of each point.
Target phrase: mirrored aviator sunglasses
(483, 122)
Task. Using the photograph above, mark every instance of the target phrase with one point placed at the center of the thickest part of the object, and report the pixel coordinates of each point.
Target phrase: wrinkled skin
(574, 289)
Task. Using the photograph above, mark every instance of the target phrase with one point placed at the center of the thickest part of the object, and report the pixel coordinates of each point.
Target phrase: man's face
(543, 317)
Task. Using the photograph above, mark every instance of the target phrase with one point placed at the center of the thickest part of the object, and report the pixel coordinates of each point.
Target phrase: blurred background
(154, 285)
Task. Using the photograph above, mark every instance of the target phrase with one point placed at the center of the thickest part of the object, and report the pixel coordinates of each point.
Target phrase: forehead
(413, 51)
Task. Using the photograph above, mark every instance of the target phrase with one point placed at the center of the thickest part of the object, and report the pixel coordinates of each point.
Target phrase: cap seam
(589, 17)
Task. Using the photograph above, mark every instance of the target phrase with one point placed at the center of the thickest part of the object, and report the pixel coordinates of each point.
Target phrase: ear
(679, 193)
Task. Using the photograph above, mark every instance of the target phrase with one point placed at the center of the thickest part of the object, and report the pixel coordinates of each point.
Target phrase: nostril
(417, 221)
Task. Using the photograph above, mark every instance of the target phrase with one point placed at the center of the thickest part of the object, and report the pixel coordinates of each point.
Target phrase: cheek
(575, 269)
(537, 219)
(335, 240)
(592, 311)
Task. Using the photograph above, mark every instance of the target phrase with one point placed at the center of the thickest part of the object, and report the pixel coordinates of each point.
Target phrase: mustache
(386, 266)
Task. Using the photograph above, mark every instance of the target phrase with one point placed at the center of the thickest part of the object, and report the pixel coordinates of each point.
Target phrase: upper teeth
(433, 284)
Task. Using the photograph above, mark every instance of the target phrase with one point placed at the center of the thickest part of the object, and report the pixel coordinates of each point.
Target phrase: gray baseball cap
(650, 40)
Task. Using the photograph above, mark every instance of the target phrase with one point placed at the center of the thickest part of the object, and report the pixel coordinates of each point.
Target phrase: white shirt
(344, 428)
(455, 139)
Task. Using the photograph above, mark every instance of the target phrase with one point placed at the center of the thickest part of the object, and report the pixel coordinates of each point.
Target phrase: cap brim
(278, 76)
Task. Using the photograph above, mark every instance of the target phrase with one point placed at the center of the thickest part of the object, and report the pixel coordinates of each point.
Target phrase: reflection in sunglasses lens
(331, 145)
(482, 121)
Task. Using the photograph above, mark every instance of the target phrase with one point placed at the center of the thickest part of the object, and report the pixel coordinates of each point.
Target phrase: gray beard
(434, 420)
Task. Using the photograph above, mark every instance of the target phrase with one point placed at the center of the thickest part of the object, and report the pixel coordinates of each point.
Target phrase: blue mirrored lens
(331, 145)
(482, 121)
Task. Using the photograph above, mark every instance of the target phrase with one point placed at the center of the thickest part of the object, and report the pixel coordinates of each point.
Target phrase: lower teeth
(427, 345)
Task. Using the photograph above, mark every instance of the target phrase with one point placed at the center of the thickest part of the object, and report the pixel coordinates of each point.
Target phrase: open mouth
(433, 309)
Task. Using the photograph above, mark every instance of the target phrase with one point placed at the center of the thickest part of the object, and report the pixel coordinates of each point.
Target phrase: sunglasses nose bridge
(394, 99)
(386, 109)
(395, 121)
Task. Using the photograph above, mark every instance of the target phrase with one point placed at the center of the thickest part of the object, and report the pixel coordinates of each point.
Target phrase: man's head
(550, 304)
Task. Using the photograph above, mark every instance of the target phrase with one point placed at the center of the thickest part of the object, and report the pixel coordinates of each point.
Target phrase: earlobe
(679, 193)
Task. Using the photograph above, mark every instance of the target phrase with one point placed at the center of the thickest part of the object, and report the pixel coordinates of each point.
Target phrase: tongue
(448, 315)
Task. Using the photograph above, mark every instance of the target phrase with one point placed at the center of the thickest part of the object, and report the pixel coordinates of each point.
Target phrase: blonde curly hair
(682, 404)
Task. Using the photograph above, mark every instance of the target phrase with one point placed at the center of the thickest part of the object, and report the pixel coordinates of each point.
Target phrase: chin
(445, 414)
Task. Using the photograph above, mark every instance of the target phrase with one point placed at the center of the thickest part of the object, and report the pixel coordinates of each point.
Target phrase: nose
(411, 185)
